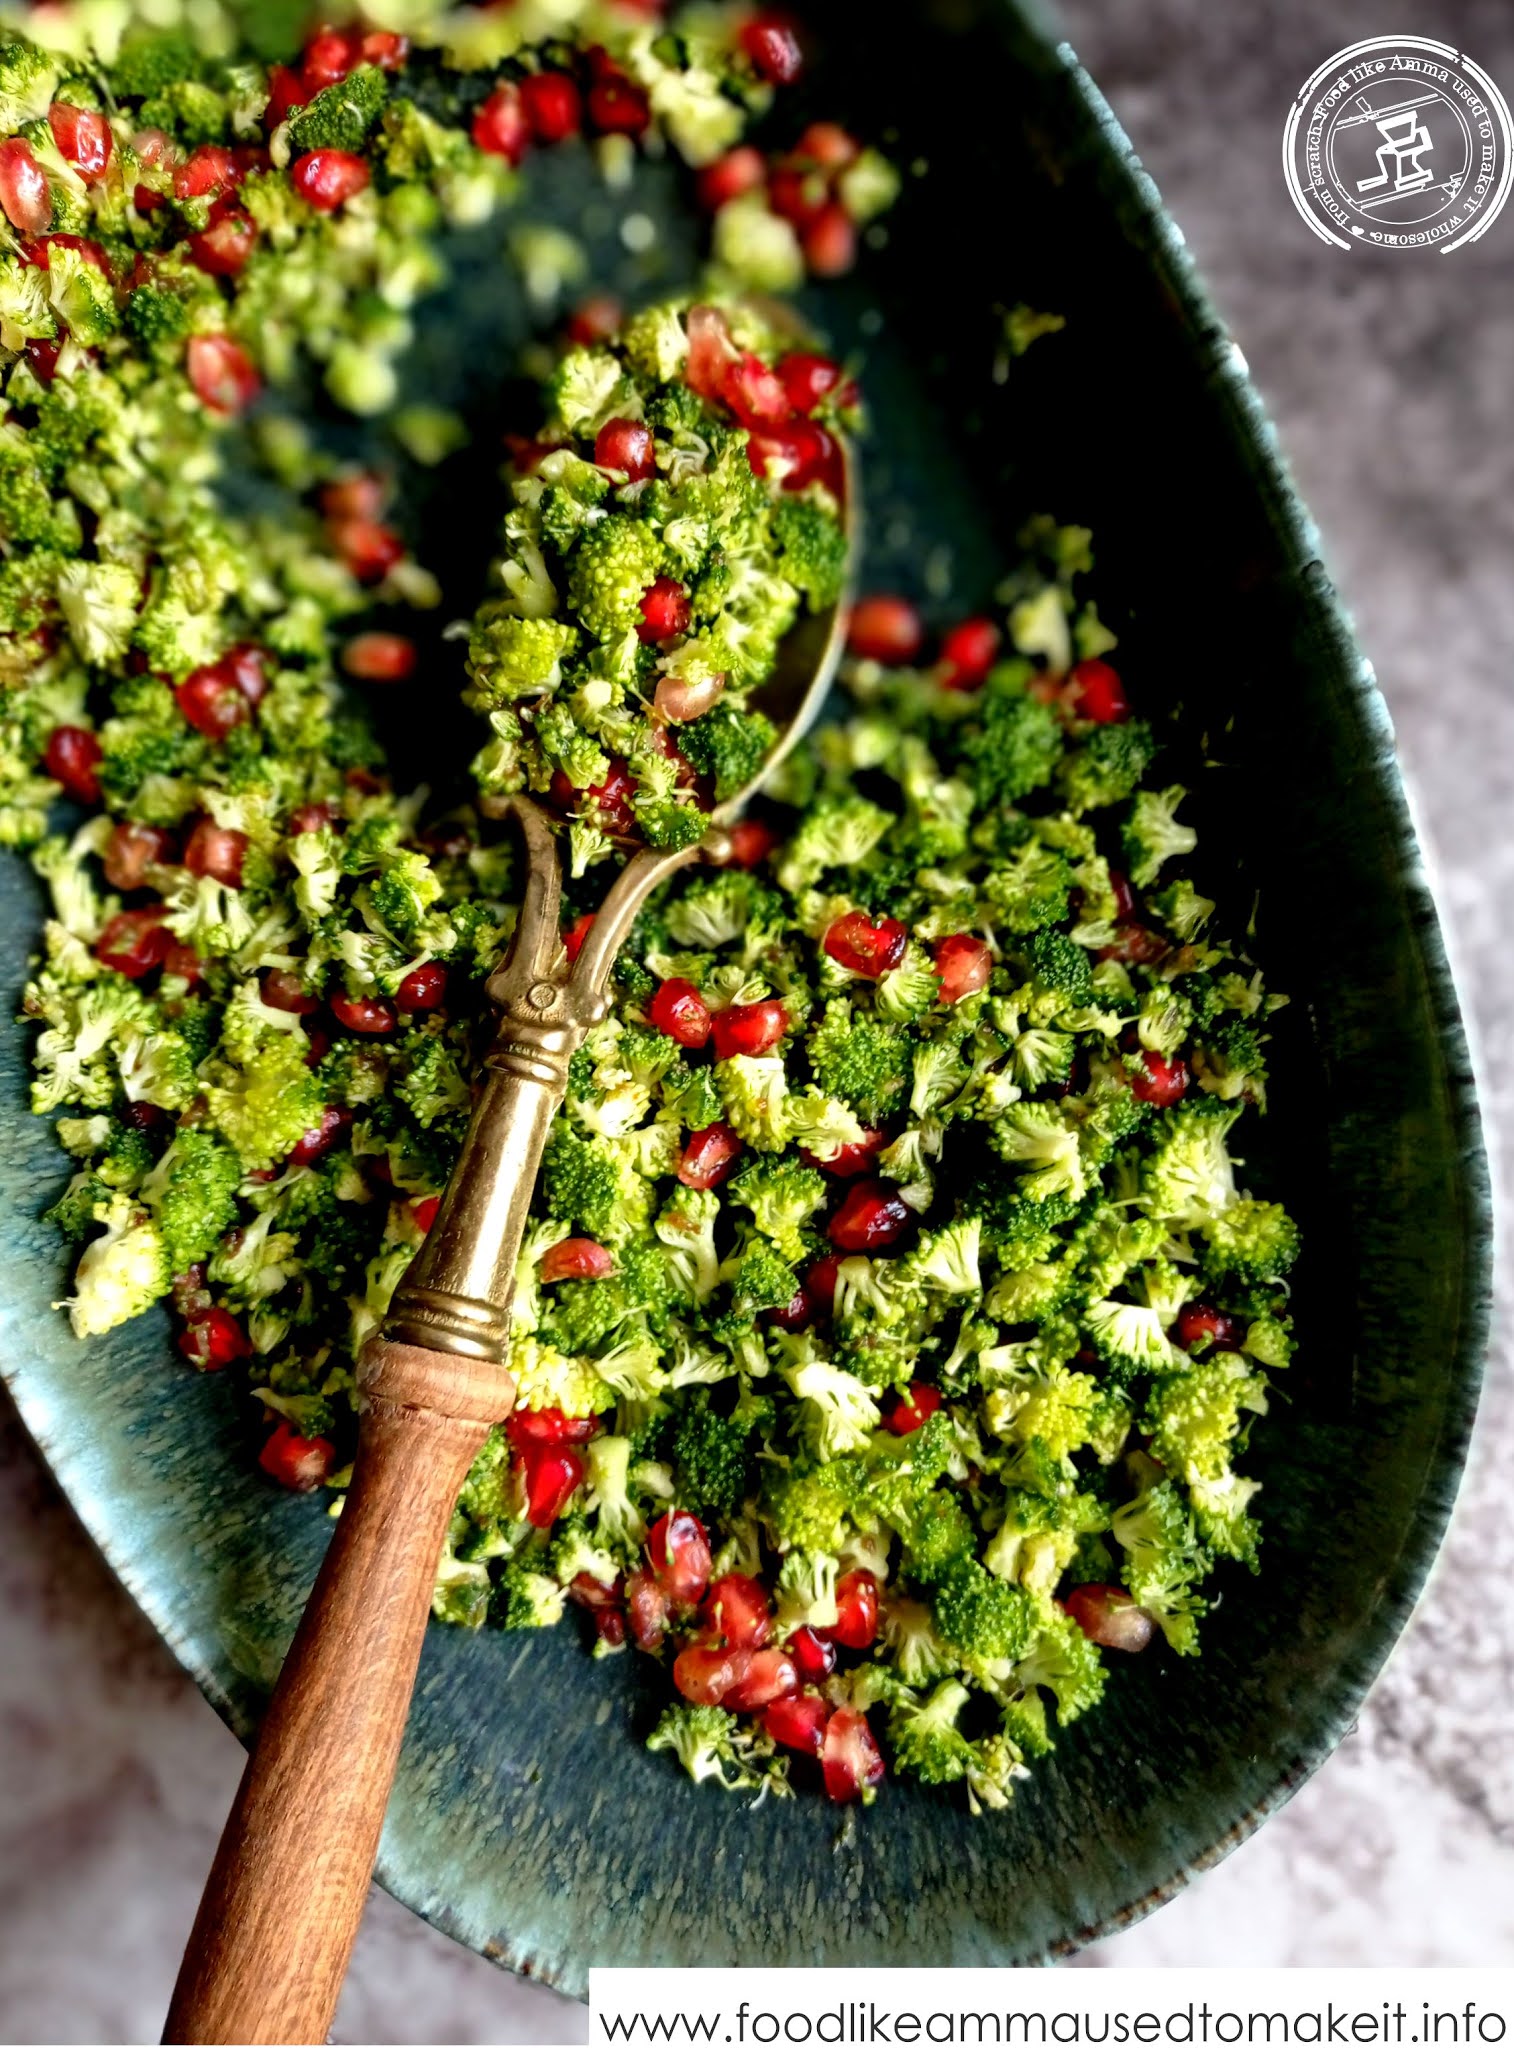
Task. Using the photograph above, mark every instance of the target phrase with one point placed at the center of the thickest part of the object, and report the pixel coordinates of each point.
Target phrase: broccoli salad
(893, 1316)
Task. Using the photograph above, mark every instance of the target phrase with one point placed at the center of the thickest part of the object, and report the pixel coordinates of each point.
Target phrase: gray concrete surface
(1391, 382)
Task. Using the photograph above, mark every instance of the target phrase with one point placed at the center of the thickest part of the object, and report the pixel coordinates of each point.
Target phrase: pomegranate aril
(711, 352)
(814, 1658)
(43, 356)
(855, 942)
(299, 1462)
(576, 1258)
(709, 1157)
(329, 55)
(795, 1314)
(72, 756)
(1163, 1082)
(359, 494)
(386, 48)
(850, 1759)
(283, 990)
(646, 1610)
(907, 1412)
(286, 91)
(500, 127)
(820, 1281)
(212, 1339)
(243, 667)
(679, 1552)
(423, 988)
(736, 1611)
(752, 840)
(211, 702)
(552, 1479)
(856, 1622)
(594, 320)
(664, 611)
(216, 851)
(964, 964)
(222, 249)
(748, 1029)
(772, 49)
(24, 193)
(577, 932)
(798, 192)
(704, 1676)
(885, 629)
(309, 818)
(789, 453)
(134, 942)
(679, 701)
(756, 394)
(552, 105)
(424, 1212)
(1107, 1615)
(829, 145)
(317, 1142)
(806, 379)
(738, 171)
(1135, 945)
(532, 1428)
(626, 445)
(798, 1722)
(678, 1011)
(379, 657)
(206, 173)
(1199, 1324)
(369, 549)
(222, 373)
(967, 653)
(851, 1159)
(328, 178)
(369, 1015)
(769, 1676)
(132, 849)
(872, 1218)
(1096, 693)
(84, 139)
(618, 106)
(829, 242)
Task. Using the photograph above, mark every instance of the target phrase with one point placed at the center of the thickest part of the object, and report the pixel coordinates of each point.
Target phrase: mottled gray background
(1391, 379)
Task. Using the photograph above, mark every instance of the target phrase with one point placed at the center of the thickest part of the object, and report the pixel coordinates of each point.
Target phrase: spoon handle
(280, 1911)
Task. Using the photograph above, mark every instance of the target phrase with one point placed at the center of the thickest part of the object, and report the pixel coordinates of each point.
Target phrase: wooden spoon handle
(280, 1912)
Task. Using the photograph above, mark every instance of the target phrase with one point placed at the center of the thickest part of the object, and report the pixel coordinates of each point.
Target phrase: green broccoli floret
(668, 822)
(1018, 744)
(730, 745)
(1060, 974)
(811, 1507)
(1230, 1063)
(581, 1180)
(782, 1194)
(925, 1736)
(1194, 1418)
(613, 566)
(839, 832)
(1109, 764)
(264, 1102)
(528, 1599)
(198, 1179)
(1152, 835)
(75, 1212)
(762, 1279)
(1189, 1177)
(121, 1272)
(813, 549)
(157, 318)
(510, 657)
(979, 1615)
(342, 115)
(864, 1062)
(1253, 1242)
(1063, 1662)
(708, 1453)
(713, 1747)
(1032, 888)
(485, 1495)
(28, 82)
(1164, 1558)
(148, 64)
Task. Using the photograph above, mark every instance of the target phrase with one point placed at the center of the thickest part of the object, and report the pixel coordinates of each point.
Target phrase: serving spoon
(281, 1907)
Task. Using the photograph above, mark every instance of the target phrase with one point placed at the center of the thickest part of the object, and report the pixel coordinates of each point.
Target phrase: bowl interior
(528, 1821)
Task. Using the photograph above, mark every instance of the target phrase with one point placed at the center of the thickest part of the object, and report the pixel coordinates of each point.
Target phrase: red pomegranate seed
(752, 840)
(797, 1313)
(820, 1281)
(286, 91)
(1163, 1083)
(798, 1722)
(384, 47)
(72, 757)
(1136, 945)
(577, 932)
(299, 1462)
(538, 1428)
(748, 1028)
(243, 666)
(709, 1157)
(906, 1412)
(216, 851)
(830, 242)
(309, 818)
(319, 1140)
(646, 1610)
(664, 611)
(206, 173)
(769, 1675)
(855, 942)
(83, 138)
(705, 1676)
(611, 798)
(967, 653)
(576, 1258)
(1107, 1615)
(856, 1622)
(360, 494)
(1097, 693)
(625, 445)
(678, 1011)
(851, 1159)
(144, 1116)
(43, 358)
(134, 942)
(679, 1552)
(38, 253)
(222, 373)
(552, 105)
(711, 352)
(885, 629)
(212, 702)
(552, 1479)
(798, 192)
(772, 48)
(283, 990)
(329, 55)
(849, 1756)
(132, 849)
(369, 549)
(1198, 1323)
(791, 454)
(424, 1213)
(870, 1219)
(806, 379)
(370, 1015)
(829, 145)
(24, 193)
(328, 178)
(964, 964)
(500, 127)
(736, 1611)
(380, 657)
(738, 171)
(595, 319)
(756, 394)
(222, 249)
(423, 988)
(618, 106)
(814, 1658)
(212, 1339)
(183, 960)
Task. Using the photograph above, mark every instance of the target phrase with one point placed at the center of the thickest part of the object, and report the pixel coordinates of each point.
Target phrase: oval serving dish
(528, 1821)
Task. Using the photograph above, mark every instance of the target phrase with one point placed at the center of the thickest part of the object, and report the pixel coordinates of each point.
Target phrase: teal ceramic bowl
(527, 1820)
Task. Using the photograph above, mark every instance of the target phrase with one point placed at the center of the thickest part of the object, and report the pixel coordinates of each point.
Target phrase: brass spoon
(281, 1906)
